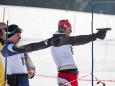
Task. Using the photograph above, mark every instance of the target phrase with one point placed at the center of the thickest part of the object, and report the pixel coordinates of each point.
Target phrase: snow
(40, 23)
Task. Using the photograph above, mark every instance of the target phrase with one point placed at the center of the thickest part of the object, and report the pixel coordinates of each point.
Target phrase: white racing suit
(63, 58)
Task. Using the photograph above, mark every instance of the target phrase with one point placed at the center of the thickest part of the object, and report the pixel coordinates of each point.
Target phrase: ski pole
(92, 69)
(3, 14)
(5, 75)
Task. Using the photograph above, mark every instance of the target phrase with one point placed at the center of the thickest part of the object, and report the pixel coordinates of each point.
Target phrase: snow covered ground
(39, 24)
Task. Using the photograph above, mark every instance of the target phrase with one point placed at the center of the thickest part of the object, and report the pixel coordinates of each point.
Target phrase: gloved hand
(31, 74)
(101, 34)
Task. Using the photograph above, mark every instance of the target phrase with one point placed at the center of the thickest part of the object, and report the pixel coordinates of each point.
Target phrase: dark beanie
(13, 29)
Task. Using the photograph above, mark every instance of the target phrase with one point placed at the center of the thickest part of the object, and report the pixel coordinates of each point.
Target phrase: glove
(31, 74)
(101, 34)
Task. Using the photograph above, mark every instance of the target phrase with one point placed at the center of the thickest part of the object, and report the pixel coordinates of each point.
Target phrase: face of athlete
(15, 38)
(3, 26)
(4, 34)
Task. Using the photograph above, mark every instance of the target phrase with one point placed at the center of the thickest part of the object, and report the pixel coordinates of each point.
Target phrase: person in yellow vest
(2, 36)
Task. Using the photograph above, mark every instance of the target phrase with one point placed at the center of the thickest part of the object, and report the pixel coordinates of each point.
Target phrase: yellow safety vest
(1, 70)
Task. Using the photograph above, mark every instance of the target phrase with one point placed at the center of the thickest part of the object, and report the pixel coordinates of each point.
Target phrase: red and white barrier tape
(80, 79)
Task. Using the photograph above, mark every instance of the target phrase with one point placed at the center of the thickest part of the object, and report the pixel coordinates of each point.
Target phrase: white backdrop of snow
(40, 23)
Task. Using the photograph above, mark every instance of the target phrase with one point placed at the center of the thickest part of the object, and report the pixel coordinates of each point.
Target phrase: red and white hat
(64, 23)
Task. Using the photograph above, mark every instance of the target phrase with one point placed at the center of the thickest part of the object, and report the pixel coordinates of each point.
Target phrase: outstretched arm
(32, 46)
(77, 40)
(82, 39)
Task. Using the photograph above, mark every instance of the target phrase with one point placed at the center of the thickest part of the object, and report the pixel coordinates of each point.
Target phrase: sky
(40, 23)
